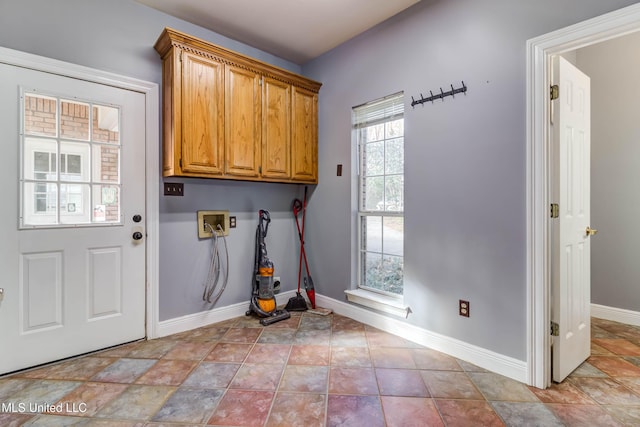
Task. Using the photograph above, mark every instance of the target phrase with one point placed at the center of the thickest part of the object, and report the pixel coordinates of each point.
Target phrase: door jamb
(152, 153)
(538, 172)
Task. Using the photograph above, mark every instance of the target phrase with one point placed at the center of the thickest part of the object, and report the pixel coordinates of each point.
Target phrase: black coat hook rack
(440, 95)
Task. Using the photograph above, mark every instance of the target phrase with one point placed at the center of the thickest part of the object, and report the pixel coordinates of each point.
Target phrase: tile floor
(313, 371)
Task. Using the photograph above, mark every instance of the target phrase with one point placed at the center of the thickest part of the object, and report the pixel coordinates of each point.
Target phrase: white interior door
(571, 258)
(73, 175)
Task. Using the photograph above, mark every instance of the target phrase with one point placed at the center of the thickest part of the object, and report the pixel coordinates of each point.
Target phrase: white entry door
(571, 249)
(72, 219)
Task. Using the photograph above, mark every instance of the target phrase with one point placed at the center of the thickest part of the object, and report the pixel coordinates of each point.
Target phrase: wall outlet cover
(213, 218)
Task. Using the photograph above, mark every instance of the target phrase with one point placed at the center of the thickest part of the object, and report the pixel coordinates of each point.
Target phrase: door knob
(591, 231)
(1, 294)
(137, 235)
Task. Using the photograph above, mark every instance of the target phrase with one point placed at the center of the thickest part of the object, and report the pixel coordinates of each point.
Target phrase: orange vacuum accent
(265, 271)
(267, 305)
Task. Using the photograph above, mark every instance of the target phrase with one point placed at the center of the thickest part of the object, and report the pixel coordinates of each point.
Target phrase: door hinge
(555, 92)
(555, 329)
(260, 170)
(180, 163)
(555, 210)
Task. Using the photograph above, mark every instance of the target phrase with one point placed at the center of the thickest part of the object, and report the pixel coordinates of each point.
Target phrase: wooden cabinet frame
(229, 116)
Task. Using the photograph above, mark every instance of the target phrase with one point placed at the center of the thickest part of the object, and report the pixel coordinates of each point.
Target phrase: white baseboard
(205, 318)
(498, 363)
(616, 314)
(495, 362)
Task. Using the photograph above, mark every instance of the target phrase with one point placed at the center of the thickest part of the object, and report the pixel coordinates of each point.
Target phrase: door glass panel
(40, 159)
(74, 120)
(106, 163)
(106, 124)
(74, 199)
(40, 115)
(71, 156)
(106, 205)
(74, 161)
(41, 205)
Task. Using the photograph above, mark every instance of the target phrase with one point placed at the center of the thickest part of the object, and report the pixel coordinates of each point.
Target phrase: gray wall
(614, 68)
(464, 158)
(118, 36)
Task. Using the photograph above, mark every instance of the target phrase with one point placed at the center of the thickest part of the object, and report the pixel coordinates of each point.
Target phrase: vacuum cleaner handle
(264, 217)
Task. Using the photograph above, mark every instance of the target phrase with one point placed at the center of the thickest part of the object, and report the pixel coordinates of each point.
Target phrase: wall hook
(440, 95)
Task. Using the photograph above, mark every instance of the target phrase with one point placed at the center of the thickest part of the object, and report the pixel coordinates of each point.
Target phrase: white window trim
(379, 301)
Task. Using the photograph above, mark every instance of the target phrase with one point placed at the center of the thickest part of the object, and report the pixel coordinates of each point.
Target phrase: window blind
(381, 110)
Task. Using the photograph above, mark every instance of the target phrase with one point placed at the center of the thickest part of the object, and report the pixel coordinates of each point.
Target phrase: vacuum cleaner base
(277, 316)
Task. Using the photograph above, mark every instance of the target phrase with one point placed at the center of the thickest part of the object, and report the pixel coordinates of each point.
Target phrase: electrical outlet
(464, 308)
(232, 222)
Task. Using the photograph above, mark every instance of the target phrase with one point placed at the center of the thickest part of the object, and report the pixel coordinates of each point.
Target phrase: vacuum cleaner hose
(214, 268)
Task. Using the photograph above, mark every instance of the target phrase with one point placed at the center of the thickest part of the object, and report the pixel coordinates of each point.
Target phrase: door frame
(152, 153)
(538, 172)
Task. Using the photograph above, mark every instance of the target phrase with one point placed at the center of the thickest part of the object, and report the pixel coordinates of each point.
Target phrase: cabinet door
(304, 142)
(276, 129)
(242, 120)
(202, 111)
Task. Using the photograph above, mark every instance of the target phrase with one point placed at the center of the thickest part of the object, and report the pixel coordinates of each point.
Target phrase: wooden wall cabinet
(229, 116)
(304, 151)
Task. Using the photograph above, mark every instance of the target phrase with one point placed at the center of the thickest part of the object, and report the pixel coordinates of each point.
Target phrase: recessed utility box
(213, 219)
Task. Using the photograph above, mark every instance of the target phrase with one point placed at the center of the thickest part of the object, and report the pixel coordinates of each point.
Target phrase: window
(70, 171)
(46, 195)
(379, 129)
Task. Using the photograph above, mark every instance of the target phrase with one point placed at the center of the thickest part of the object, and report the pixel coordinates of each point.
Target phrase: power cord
(214, 268)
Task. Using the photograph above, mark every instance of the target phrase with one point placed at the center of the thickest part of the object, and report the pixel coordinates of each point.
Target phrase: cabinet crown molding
(170, 38)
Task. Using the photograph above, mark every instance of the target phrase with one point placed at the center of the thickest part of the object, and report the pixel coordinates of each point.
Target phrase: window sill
(378, 302)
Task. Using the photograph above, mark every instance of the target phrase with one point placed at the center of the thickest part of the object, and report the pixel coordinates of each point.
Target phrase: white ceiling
(296, 30)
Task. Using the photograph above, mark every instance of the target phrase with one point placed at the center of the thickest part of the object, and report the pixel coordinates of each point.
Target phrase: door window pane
(40, 203)
(40, 115)
(71, 162)
(40, 156)
(106, 206)
(106, 163)
(74, 120)
(75, 161)
(74, 199)
(106, 124)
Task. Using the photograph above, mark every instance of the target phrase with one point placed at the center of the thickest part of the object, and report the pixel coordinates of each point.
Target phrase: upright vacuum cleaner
(263, 300)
